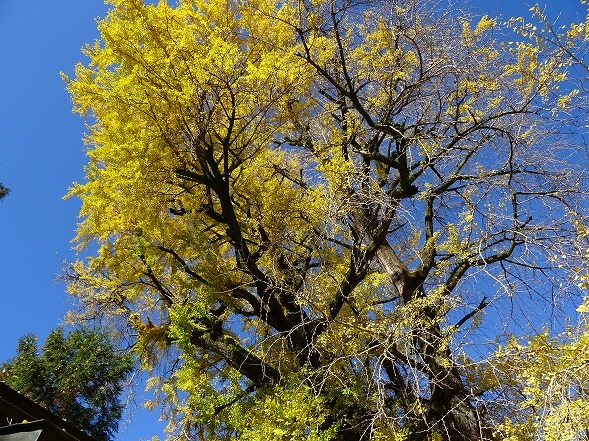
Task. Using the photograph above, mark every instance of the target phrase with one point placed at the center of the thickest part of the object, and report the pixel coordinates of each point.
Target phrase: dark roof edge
(47, 428)
(19, 406)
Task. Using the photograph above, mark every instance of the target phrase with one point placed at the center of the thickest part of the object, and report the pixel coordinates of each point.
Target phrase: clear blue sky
(41, 154)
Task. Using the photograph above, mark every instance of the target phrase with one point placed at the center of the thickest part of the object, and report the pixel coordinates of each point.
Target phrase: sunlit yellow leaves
(455, 242)
(578, 30)
(553, 373)
(486, 23)
(564, 102)
(285, 414)
(160, 77)
(584, 307)
(518, 431)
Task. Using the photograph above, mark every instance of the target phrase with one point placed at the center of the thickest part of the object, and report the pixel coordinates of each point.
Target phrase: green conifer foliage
(79, 377)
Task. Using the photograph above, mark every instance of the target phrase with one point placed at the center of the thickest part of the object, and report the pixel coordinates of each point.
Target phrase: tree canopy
(338, 219)
(78, 377)
(3, 191)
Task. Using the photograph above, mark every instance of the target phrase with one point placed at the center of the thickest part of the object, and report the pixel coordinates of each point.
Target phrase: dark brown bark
(451, 412)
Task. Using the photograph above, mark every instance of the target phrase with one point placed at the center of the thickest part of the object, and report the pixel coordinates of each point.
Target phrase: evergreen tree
(3, 191)
(78, 377)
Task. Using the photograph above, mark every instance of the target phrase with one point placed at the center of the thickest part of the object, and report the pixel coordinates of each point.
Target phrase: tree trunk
(397, 271)
(451, 412)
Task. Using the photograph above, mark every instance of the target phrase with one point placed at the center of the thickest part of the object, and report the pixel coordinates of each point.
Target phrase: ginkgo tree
(324, 219)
